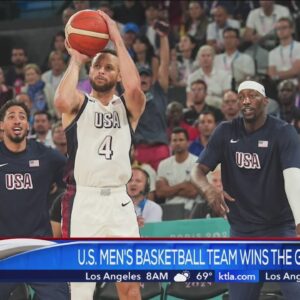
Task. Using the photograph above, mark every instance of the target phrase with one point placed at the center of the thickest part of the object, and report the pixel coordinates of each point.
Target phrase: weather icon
(182, 277)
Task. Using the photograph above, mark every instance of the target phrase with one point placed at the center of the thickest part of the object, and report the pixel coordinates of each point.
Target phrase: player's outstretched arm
(215, 199)
(68, 99)
(134, 96)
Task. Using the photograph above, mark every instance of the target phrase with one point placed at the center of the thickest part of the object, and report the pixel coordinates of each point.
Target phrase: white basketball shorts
(103, 212)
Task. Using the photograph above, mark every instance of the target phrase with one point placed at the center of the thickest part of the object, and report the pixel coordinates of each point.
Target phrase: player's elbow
(59, 102)
(65, 103)
(136, 102)
(142, 100)
(135, 92)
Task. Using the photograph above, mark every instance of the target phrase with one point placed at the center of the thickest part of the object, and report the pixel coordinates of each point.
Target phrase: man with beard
(27, 170)
(98, 129)
(260, 163)
(173, 175)
(15, 74)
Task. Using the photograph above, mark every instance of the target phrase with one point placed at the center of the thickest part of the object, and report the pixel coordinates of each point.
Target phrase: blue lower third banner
(149, 260)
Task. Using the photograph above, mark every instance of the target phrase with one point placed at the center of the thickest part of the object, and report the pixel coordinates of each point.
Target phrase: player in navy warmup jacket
(260, 163)
(27, 170)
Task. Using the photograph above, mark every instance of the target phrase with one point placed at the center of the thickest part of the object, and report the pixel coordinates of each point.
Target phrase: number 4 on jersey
(105, 147)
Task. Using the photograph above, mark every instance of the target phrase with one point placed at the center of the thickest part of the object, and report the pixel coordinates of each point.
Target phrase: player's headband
(252, 85)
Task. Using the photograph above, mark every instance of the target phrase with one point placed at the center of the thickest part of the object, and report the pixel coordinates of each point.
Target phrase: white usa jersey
(99, 141)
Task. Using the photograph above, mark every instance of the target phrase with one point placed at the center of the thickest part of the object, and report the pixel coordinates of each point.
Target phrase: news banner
(149, 260)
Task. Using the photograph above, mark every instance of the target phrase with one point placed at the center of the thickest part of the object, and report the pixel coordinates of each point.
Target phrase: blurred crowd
(190, 85)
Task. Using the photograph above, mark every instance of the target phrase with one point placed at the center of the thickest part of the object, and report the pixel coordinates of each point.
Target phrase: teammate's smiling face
(253, 105)
(15, 124)
(104, 72)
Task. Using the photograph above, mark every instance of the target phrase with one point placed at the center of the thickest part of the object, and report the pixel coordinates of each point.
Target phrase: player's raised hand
(77, 56)
(113, 29)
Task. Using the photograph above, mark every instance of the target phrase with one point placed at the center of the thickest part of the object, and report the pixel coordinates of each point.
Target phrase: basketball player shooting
(98, 129)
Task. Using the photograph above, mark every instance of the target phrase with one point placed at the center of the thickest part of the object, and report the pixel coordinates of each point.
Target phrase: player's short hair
(10, 103)
(110, 51)
(105, 51)
(177, 130)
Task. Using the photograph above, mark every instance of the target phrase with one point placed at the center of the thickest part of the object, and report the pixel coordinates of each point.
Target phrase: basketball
(87, 32)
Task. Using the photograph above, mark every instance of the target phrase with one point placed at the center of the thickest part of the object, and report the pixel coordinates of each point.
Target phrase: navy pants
(43, 290)
(251, 291)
